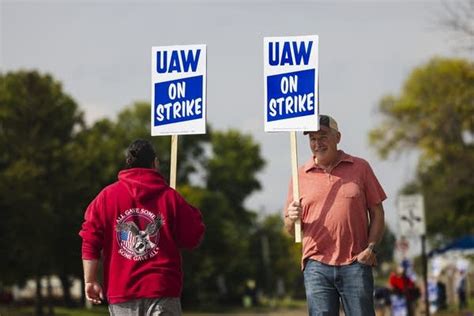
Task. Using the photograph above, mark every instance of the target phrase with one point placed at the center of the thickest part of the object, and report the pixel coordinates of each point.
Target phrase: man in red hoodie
(139, 223)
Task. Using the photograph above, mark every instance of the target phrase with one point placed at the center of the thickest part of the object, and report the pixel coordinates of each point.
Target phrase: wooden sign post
(291, 93)
(178, 89)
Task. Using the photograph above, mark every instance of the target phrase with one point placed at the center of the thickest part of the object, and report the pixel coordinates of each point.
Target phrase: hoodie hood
(143, 184)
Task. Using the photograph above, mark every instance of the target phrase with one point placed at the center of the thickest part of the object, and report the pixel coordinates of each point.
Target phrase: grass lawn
(96, 311)
(58, 311)
(297, 308)
(280, 308)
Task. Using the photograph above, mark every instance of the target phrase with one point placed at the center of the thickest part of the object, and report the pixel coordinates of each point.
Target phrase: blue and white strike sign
(178, 90)
(291, 83)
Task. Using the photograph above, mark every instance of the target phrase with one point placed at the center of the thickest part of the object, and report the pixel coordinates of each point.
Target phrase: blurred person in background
(403, 286)
(461, 289)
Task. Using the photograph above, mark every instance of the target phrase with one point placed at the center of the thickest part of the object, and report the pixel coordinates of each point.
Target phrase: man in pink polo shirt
(342, 220)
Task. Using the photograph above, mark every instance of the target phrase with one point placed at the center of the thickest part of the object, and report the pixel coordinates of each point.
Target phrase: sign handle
(296, 191)
(424, 264)
(173, 161)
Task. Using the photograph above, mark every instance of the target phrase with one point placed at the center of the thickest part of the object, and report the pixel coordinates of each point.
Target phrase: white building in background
(28, 292)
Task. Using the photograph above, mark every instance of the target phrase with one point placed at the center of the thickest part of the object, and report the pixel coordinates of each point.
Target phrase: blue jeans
(327, 285)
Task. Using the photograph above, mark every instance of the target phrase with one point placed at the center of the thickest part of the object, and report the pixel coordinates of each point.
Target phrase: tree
(433, 112)
(223, 249)
(386, 247)
(276, 257)
(458, 17)
(223, 262)
(232, 168)
(434, 115)
(37, 121)
(94, 160)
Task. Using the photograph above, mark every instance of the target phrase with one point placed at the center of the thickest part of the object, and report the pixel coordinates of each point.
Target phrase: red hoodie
(140, 224)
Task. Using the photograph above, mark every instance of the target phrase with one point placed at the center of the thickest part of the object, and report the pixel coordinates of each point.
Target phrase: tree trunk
(66, 285)
(50, 296)
(83, 293)
(39, 298)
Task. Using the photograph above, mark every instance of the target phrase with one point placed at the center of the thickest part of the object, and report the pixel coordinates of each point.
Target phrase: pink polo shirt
(335, 206)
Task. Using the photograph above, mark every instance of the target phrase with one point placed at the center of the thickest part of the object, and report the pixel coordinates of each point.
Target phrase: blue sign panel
(178, 101)
(290, 95)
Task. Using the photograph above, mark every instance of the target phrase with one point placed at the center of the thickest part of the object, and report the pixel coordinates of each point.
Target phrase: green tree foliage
(37, 122)
(277, 258)
(232, 168)
(95, 165)
(231, 177)
(215, 258)
(100, 149)
(386, 246)
(449, 197)
(434, 114)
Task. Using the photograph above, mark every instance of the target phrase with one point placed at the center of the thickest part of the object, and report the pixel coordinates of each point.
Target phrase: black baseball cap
(325, 120)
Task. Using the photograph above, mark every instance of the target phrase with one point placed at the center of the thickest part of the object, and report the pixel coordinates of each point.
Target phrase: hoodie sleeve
(92, 231)
(189, 227)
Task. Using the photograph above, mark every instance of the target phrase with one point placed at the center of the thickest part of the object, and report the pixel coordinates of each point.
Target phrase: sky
(100, 51)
